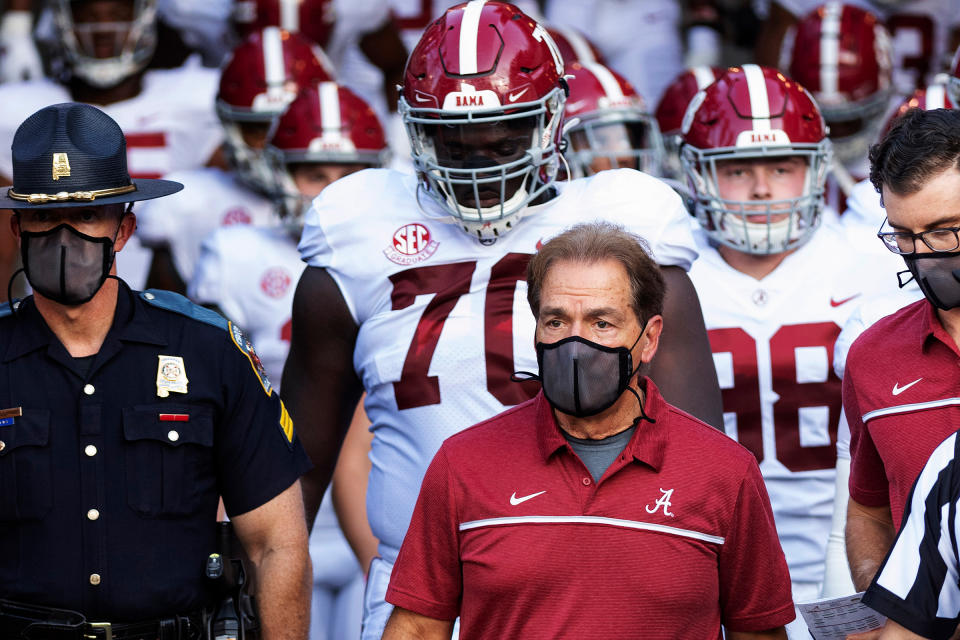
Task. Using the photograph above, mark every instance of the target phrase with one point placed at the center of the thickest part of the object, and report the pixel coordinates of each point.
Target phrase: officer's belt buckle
(100, 630)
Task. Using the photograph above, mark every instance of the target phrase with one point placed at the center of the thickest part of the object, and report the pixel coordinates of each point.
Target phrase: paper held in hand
(835, 618)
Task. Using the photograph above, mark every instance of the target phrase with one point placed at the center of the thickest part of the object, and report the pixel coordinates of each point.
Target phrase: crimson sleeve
(427, 577)
(754, 580)
(868, 481)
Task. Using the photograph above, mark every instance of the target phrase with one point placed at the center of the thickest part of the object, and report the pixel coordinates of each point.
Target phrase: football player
(415, 286)
(842, 54)
(672, 106)
(249, 273)
(260, 81)
(923, 31)
(166, 115)
(775, 289)
(607, 124)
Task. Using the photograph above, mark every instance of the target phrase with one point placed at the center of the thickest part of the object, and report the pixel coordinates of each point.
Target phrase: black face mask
(938, 275)
(582, 378)
(65, 265)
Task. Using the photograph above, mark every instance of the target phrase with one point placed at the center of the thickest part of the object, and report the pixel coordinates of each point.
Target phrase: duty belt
(32, 622)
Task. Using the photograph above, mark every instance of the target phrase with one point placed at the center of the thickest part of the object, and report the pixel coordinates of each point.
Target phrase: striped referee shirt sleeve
(918, 585)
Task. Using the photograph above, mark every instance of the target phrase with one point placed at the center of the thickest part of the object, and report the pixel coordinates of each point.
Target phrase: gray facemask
(938, 275)
(65, 265)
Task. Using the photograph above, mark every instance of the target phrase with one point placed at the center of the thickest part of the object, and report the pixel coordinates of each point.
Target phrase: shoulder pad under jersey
(178, 304)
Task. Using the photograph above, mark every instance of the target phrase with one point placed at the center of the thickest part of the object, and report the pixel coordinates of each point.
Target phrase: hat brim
(146, 189)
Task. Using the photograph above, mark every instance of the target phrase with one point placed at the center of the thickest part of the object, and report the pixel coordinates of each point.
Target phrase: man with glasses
(900, 385)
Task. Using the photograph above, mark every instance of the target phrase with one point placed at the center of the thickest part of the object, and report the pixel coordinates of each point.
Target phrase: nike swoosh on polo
(514, 96)
(897, 390)
(837, 303)
(514, 500)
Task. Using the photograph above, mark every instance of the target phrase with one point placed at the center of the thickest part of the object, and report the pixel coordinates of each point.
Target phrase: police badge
(171, 376)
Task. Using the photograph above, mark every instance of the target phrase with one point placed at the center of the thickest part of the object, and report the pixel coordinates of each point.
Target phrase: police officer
(123, 417)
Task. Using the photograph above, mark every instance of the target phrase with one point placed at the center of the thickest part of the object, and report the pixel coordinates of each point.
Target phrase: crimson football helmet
(261, 79)
(326, 124)
(749, 113)
(934, 96)
(843, 55)
(574, 47)
(672, 106)
(482, 101)
(134, 43)
(313, 18)
(607, 124)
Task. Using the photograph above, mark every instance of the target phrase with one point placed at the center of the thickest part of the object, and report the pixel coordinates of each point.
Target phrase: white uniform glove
(19, 58)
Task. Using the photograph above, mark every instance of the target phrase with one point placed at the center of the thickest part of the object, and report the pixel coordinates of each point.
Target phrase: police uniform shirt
(917, 585)
(109, 478)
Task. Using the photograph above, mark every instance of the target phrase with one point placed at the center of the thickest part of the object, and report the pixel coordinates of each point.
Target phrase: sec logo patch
(237, 215)
(411, 244)
(275, 282)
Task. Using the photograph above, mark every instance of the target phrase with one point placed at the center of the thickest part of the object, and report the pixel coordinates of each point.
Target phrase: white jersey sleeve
(209, 285)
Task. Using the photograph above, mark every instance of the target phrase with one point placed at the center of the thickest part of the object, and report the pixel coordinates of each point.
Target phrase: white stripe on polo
(592, 520)
(469, 30)
(759, 101)
(907, 408)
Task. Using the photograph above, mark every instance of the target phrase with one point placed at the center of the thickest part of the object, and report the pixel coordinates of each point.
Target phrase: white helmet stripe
(703, 76)
(469, 30)
(581, 48)
(936, 96)
(330, 110)
(830, 47)
(273, 58)
(290, 14)
(759, 101)
(611, 88)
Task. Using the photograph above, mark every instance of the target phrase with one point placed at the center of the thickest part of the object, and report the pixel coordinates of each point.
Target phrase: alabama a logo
(411, 244)
(663, 502)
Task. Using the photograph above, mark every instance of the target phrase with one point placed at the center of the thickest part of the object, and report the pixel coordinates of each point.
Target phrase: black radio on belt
(233, 616)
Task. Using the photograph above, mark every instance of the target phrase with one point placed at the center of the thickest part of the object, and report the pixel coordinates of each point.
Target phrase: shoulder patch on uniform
(178, 304)
(245, 346)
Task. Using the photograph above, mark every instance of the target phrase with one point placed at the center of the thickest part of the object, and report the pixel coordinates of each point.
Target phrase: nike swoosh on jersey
(514, 500)
(837, 303)
(897, 390)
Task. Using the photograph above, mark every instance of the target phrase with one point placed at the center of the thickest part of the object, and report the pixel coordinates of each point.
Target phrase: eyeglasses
(938, 240)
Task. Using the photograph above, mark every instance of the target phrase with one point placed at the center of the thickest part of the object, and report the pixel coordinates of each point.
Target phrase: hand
(19, 58)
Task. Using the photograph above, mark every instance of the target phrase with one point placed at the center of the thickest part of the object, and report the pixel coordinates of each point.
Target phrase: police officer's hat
(74, 155)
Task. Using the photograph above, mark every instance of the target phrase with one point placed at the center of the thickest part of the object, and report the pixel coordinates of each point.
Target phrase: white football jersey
(210, 198)
(444, 319)
(250, 273)
(921, 31)
(641, 39)
(773, 343)
(171, 125)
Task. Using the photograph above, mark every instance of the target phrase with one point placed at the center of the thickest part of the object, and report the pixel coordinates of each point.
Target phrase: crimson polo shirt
(511, 533)
(901, 397)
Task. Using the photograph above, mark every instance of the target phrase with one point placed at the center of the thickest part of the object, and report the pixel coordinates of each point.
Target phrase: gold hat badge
(61, 166)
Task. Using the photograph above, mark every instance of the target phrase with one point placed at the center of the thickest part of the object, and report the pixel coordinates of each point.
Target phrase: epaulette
(178, 304)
